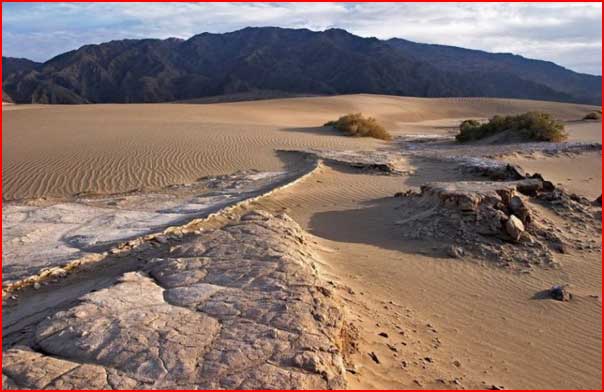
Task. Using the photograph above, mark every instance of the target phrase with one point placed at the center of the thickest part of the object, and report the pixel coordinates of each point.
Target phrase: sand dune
(64, 150)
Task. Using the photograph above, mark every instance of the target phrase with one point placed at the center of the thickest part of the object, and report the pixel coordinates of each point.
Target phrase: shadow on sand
(321, 131)
(375, 222)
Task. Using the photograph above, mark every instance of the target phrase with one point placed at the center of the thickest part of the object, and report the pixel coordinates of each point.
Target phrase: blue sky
(569, 34)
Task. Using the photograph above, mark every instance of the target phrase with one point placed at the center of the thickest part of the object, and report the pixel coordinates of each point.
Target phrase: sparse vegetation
(534, 126)
(359, 126)
(597, 115)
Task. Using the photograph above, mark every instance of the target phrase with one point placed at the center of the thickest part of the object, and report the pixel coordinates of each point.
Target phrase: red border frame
(310, 1)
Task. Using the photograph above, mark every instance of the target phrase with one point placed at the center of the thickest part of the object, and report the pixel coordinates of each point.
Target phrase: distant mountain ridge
(291, 61)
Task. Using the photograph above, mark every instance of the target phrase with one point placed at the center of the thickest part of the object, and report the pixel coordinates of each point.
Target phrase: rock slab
(240, 307)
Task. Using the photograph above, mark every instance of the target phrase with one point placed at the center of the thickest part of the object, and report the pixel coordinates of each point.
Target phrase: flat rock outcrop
(241, 306)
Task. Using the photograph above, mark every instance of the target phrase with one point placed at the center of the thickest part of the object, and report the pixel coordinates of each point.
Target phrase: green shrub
(593, 116)
(534, 126)
(359, 126)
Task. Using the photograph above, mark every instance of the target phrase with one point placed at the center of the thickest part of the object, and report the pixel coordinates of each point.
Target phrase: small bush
(593, 116)
(359, 126)
(534, 126)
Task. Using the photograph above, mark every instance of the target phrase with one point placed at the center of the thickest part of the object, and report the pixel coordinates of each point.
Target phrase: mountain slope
(584, 87)
(11, 65)
(292, 61)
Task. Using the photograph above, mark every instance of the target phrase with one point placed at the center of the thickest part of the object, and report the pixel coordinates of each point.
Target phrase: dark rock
(559, 247)
(530, 187)
(518, 208)
(560, 293)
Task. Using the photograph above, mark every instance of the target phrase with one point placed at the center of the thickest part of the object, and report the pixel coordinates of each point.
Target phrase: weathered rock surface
(488, 219)
(237, 307)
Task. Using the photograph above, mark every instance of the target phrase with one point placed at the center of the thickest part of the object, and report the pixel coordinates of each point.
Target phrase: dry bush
(593, 116)
(533, 126)
(359, 126)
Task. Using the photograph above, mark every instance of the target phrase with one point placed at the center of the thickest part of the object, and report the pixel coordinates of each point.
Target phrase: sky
(569, 34)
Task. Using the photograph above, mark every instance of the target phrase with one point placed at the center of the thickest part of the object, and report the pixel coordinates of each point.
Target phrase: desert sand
(326, 281)
(104, 149)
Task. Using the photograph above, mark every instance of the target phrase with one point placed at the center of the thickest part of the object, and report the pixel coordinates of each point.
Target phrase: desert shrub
(593, 115)
(359, 126)
(534, 126)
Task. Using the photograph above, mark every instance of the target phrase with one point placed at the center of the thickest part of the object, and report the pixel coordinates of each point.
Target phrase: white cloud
(567, 33)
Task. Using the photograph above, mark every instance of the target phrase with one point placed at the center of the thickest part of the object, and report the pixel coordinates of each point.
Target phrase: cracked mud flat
(46, 233)
(359, 290)
(236, 307)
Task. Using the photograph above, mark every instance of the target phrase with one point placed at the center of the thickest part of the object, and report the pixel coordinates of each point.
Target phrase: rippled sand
(60, 151)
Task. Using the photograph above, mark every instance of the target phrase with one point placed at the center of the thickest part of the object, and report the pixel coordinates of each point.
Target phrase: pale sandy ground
(455, 313)
(446, 319)
(580, 174)
(65, 150)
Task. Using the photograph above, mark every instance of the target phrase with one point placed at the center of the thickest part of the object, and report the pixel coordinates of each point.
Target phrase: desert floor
(431, 321)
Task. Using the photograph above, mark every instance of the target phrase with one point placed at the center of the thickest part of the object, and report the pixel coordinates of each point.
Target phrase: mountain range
(285, 62)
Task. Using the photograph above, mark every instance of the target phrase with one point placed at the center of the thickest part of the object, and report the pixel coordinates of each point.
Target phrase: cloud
(569, 34)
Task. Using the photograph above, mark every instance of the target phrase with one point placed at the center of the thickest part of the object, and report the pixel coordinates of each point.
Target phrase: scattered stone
(37, 286)
(476, 216)
(392, 348)
(560, 293)
(383, 334)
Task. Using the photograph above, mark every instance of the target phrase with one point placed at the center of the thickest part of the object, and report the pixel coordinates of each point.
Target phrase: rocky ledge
(238, 307)
(496, 220)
